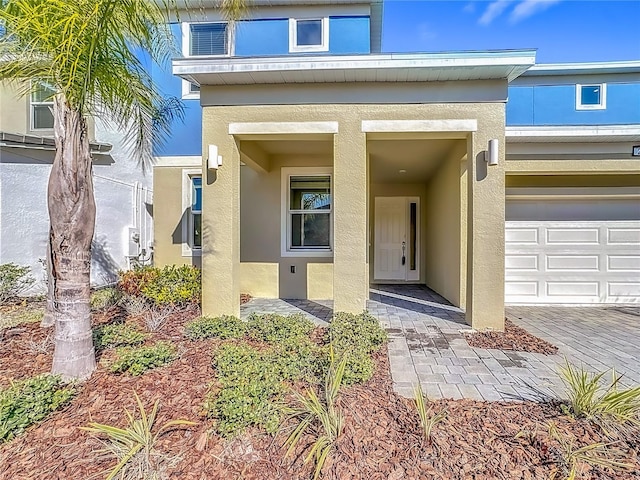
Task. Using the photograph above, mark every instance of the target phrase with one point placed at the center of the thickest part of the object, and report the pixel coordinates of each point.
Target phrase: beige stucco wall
(222, 217)
(398, 190)
(15, 112)
(260, 236)
(168, 217)
(446, 223)
(519, 181)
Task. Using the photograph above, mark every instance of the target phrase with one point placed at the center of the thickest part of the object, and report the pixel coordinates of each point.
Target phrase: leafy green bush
(131, 282)
(174, 285)
(105, 298)
(355, 337)
(14, 280)
(117, 335)
(219, 327)
(137, 360)
(274, 328)
(252, 383)
(29, 401)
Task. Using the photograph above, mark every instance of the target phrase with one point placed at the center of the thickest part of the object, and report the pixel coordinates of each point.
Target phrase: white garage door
(572, 252)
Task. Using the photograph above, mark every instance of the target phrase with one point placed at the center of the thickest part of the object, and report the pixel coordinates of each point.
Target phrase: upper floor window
(42, 107)
(309, 35)
(591, 97)
(205, 39)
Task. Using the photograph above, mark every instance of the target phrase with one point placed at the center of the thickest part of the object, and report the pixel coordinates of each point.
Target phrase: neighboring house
(123, 233)
(313, 165)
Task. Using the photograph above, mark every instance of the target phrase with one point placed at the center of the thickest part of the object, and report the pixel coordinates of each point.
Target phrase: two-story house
(123, 194)
(313, 165)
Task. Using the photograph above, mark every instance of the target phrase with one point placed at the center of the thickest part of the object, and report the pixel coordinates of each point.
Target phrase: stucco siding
(446, 225)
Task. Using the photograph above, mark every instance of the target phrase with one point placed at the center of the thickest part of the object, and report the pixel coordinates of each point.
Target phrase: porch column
(485, 228)
(220, 222)
(350, 267)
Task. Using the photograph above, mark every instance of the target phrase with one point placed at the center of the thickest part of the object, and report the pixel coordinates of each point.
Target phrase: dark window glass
(309, 33)
(591, 95)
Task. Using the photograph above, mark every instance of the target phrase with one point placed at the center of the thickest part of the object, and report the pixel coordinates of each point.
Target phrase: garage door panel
(623, 236)
(572, 262)
(573, 236)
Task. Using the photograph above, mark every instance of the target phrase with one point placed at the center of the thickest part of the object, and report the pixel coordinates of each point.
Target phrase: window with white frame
(195, 227)
(309, 34)
(192, 211)
(205, 39)
(42, 107)
(591, 97)
(307, 226)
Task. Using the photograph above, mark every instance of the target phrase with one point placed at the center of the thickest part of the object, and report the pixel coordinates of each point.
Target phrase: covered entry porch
(351, 167)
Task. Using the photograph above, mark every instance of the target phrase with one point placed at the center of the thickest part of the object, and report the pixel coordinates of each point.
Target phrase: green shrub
(174, 285)
(131, 282)
(274, 328)
(105, 298)
(220, 327)
(252, 383)
(137, 360)
(14, 280)
(117, 335)
(355, 337)
(21, 316)
(29, 401)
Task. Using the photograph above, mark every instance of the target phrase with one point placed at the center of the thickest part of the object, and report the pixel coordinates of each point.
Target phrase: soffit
(420, 158)
(425, 67)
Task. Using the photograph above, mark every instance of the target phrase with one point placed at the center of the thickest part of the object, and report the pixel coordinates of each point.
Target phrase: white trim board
(178, 161)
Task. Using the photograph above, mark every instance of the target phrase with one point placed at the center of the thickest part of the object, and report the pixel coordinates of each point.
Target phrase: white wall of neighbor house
(123, 201)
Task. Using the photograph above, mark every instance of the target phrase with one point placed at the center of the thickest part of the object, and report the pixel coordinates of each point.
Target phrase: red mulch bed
(381, 440)
(513, 338)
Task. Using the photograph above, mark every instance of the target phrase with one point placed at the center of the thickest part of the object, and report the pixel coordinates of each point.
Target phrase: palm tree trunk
(72, 213)
(49, 320)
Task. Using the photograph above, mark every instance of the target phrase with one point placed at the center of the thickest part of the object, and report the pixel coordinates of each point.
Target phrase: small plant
(595, 454)
(137, 360)
(135, 445)
(117, 335)
(29, 401)
(105, 298)
(174, 285)
(356, 337)
(321, 414)
(277, 328)
(131, 282)
(156, 317)
(428, 420)
(219, 327)
(21, 316)
(590, 399)
(134, 306)
(14, 280)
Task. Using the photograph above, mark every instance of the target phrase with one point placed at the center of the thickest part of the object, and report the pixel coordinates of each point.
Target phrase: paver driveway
(426, 345)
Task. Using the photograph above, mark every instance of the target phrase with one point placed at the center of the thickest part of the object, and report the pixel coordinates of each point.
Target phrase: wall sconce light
(491, 155)
(214, 160)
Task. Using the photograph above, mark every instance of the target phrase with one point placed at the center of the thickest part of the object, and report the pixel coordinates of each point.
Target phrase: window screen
(209, 39)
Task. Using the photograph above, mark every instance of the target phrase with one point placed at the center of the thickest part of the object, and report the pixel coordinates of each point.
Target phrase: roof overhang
(590, 68)
(423, 67)
(34, 142)
(582, 134)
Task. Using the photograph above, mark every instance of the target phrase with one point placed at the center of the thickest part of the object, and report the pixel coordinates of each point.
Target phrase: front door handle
(404, 258)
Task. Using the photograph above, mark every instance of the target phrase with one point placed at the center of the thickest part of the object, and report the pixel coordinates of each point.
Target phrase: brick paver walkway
(426, 346)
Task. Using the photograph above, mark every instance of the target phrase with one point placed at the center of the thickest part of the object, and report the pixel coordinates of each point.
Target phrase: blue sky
(561, 30)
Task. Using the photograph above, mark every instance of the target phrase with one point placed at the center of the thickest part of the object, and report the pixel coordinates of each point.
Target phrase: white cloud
(494, 10)
(527, 8)
(469, 8)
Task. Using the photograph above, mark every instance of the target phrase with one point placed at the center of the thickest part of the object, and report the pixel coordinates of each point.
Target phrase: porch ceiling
(419, 158)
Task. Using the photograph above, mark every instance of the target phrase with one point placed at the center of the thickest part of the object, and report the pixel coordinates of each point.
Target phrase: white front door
(396, 255)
